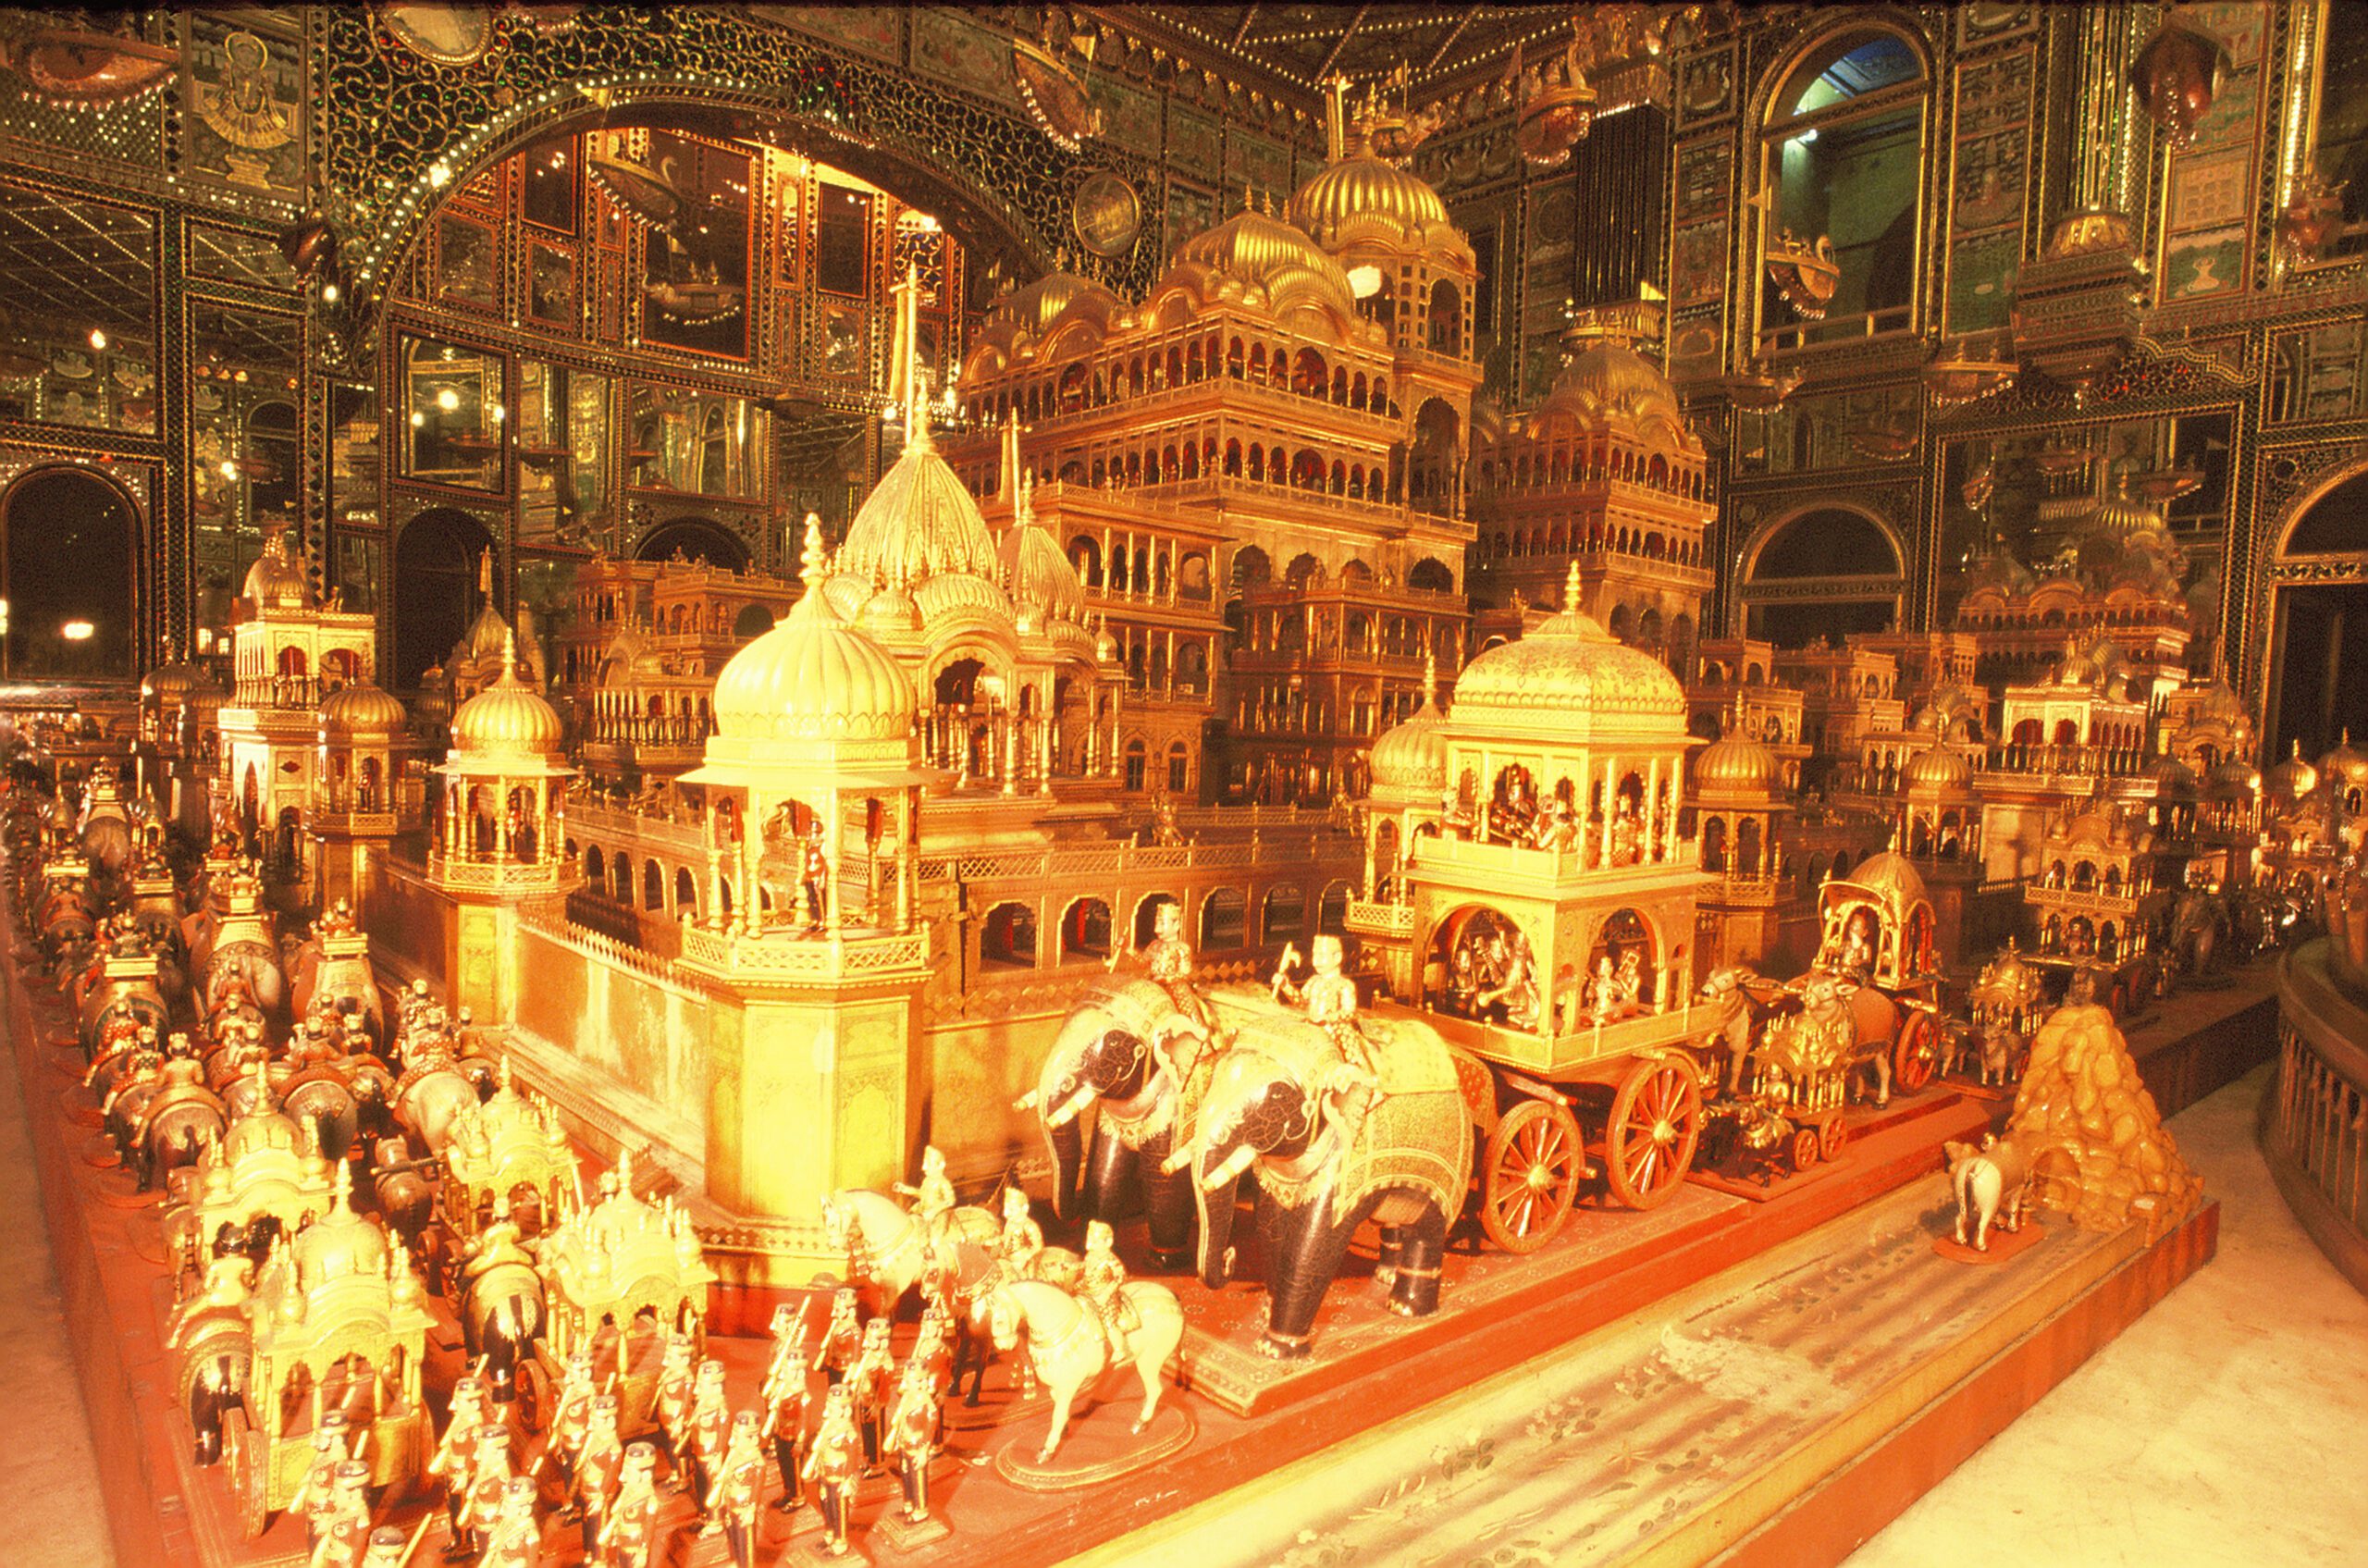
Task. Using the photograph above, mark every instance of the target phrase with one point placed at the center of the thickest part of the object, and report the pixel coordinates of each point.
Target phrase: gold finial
(509, 654)
(1430, 677)
(1571, 589)
(342, 1185)
(1738, 715)
(1336, 117)
(485, 572)
(812, 561)
(904, 361)
(1011, 475)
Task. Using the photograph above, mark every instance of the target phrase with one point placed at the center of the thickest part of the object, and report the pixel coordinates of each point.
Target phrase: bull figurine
(1992, 1183)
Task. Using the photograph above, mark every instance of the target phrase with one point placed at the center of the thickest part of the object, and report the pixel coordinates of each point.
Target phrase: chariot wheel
(1916, 1054)
(1648, 1139)
(1832, 1137)
(1530, 1175)
(246, 1467)
(533, 1393)
(1805, 1147)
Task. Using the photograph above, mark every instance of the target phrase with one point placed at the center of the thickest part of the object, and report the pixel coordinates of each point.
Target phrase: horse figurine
(889, 1248)
(1069, 1349)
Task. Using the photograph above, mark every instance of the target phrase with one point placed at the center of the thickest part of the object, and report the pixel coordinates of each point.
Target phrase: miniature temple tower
(370, 786)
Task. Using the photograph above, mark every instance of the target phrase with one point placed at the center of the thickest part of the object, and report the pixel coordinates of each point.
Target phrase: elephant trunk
(1067, 1142)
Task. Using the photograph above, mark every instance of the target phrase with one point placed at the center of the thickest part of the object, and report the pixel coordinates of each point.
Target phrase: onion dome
(813, 675)
(1269, 254)
(1040, 574)
(483, 641)
(2346, 762)
(1891, 877)
(174, 682)
(340, 1243)
(264, 1126)
(509, 716)
(1569, 663)
(1608, 379)
(2001, 573)
(277, 581)
(1937, 768)
(2292, 779)
(1412, 755)
(891, 612)
(2091, 830)
(359, 708)
(1361, 198)
(918, 522)
(1736, 765)
(2235, 779)
(956, 595)
(435, 704)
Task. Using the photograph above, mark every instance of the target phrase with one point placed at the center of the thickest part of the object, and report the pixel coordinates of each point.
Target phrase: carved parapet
(784, 958)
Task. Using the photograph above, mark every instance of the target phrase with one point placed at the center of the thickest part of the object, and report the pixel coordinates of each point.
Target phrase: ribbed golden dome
(361, 709)
(1736, 765)
(1272, 255)
(340, 1243)
(1609, 378)
(1569, 663)
(264, 1126)
(1937, 767)
(956, 594)
(172, 683)
(435, 696)
(1041, 303)
(2346, 762)
(918, 521)
(813, 676)
(1039, 574)
(2235, 779)
(1363, 199)
(276, 581)
(2173, 777)
(1892, 879)
(1412, 755)
(509, 717)
(890, 612)
(2291, 779)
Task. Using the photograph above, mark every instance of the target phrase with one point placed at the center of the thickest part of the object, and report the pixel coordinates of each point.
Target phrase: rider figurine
(1021, 1244)
(932, 1199)
(1329, 997)
(1101, 1278)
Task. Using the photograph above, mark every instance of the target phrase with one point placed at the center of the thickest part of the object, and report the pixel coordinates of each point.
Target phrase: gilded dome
(340, 1243)
(1892, 878)
(2346, 762)
(2173, 776)
(1569, 662)
(1041, 303)
(889, 612)
(264, 1126)
(509, 716)
(918, 521)
(277, 581)
(435, 696)
(956, 594)
(170, 684)
(1362, 198)
(1609, 378)
(1270, 254)
(1412, 755)
(1736, 765)
(2292, 779)
(1033, 564)
(2235, 779)
(1937, 767)
(361, 709)
(813, 676)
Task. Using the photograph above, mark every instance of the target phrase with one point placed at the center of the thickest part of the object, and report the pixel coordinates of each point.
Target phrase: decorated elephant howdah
(1332, 1144)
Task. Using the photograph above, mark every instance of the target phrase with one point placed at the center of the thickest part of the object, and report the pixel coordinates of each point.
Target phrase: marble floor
(2207, 1434)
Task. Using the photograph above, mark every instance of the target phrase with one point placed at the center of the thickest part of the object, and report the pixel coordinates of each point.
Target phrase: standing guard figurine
(600, 1470)
(789, 1385)
(913, 1436)
(705, 1432)
(571, 1417)
(630, 1532)
(841, 1337)
(389, 1548)
(489, 1484)
(315, 1495)
(835, 1467)
(868, 1379)
(731, 1497)
(341, 1522)
(455, 1457)
(677, 1380)
(814, 876)
(515, 1538)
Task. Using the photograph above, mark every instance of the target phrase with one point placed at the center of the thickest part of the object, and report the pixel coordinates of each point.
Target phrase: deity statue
(1512, 818)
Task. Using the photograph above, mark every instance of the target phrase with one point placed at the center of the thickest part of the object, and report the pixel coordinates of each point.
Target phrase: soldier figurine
(868, 1379)
(315, 1495)
(389, 1548)
(705, 1432)
(841, 1337)
(1100, 1275)
(732, 1496)
(342, 1525)
(455, 1455)
(599, 1470)
(630, 1531)
(677, 1378)
(515, 1538)
(488, 1483)
(571, 1415)
(788, 1384)
(913, 1434)
(835, 1467)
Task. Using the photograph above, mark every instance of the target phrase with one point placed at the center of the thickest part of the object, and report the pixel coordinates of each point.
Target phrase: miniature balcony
(784, 956)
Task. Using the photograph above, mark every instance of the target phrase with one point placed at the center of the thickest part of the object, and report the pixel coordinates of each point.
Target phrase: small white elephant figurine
(1990, 1183)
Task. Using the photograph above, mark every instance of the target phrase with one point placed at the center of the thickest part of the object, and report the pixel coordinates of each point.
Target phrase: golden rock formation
(2098, 1147)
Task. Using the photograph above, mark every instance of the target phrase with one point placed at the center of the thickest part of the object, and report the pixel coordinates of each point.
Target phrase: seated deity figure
(1512, 815)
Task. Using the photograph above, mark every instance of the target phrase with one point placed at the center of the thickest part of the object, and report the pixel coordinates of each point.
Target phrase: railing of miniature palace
(2314, 1122)
(1528, 860)
(276, 691)
(2063, 760)
(787, 957)
(493, 874)
(1366, 919)
(1115, 860)
(687, 837)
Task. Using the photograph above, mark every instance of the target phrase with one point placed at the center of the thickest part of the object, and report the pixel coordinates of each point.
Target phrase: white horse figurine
(1067, 1351)
(895, 1252)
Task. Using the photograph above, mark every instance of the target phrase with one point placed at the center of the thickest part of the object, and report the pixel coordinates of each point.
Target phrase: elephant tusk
(1176, 1162)
(1231, 1172)
(1026, 1102)
(1071, 1108)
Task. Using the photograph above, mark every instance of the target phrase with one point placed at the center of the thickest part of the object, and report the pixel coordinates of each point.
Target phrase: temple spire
(905, 359)
(1011, 480)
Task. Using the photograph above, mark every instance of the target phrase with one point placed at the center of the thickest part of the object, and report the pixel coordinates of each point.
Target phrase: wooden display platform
(1610, 1270)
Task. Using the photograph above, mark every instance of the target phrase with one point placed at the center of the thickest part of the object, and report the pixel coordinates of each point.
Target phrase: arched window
(1841, 161)
(653, 885)
(1221, 919)
(71, 564)
(1179, 768)
(1284, 918)
(1136, 761)
(1085, 932)
(1007, 937)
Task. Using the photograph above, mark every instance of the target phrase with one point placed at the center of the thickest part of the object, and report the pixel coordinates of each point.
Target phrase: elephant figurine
(1332, 1146)
(1992, 1183)
(1128, 1048)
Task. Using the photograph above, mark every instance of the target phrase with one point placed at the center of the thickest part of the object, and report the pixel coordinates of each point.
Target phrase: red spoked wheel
(1649, 1138)
(1804, 1145)
(1530, 1175)
(1916, 1054)
(1832, 1137)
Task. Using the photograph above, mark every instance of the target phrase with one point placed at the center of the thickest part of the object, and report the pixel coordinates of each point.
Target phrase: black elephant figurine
(1127, 1048)
(1331, 1146)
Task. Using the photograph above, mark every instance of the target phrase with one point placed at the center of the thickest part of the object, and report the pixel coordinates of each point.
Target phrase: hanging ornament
(2177, 74)
(1054, 96)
